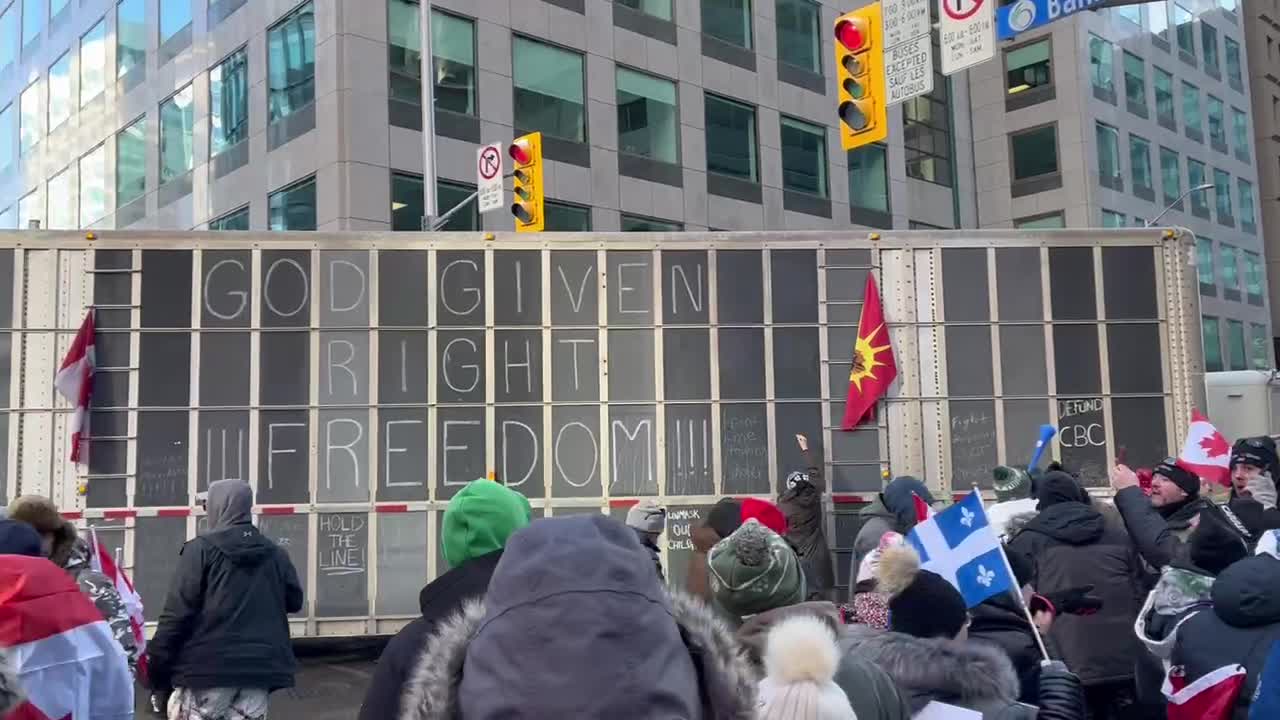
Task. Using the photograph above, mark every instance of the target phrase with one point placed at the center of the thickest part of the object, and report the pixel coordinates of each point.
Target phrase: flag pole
(1026, 610)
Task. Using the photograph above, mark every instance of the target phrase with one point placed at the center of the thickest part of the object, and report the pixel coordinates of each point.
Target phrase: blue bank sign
(1024, 15)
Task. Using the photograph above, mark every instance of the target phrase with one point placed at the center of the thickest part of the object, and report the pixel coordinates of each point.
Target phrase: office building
(1262, 35)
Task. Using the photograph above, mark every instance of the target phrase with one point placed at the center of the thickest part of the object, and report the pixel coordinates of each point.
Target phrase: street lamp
(1198, 188)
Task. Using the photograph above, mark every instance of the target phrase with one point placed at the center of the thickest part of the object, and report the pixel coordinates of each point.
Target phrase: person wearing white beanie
(800, 662)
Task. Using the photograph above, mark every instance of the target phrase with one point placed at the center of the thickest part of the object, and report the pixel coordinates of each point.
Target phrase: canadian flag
(923, 511)
(101, 560)
(66, 660)
(1212, 697)
(1206, 452)
(74, 382)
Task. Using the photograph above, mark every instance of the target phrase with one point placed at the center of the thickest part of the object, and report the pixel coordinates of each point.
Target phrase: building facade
(1110, 117)
(1262, 32)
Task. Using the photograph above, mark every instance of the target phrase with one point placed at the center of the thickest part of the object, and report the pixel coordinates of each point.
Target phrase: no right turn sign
(966, 33)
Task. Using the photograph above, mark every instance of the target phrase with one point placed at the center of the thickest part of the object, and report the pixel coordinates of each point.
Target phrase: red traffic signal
(852, 35)
(520, 152)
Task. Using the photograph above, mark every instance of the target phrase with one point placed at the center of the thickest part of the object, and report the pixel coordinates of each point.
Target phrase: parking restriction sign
(966, 33)
(908, 49)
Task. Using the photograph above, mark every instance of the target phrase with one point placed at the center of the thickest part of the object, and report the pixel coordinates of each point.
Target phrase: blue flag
(961, 546)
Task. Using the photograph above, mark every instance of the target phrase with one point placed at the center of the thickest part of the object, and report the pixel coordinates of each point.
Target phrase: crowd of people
(1118, 604)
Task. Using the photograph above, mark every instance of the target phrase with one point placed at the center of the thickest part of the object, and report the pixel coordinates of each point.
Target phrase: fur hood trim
(899, 565)
(432, 689)
(955, 671)
(40, 513)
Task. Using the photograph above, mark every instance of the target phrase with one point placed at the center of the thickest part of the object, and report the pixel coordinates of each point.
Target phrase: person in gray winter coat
(894, 509)
(577, 625)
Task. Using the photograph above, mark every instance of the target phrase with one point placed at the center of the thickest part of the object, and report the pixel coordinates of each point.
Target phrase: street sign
(908, 49)
(966, 33)
(489, 177)
(1026, 15)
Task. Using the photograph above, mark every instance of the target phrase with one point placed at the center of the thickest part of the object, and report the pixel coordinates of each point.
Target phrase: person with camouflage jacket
(66, 549)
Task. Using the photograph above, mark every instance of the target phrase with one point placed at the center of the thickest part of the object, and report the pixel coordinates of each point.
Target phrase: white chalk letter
(272, 452)
(695, 298)
(508, 365)
(266, 287)
(241, 295)
(475, 369)
(389, 449)
(506, 449)
(473, 292)
(351, 355)
(454, 448)
(329, 447)
(333, 285)
(576, 302)
(624, 289)
(575, 342)
(595, 453)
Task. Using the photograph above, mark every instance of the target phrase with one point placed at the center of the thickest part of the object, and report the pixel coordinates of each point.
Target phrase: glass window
(804, 157)
(62, 213)
(1052, 221)
(294, 207)
(1035, 152)
(32, 21)
(727, 20)
(1212, 343)
(1112, 219)
(1235, 345)
(93, 186)
(1258, 347)
(131, 36)
(453, 61)
(1240, 131)
(1245, 189)
(1233, 62)
(56, 7)
(229, 102)
(1101, 63)
(658, 8)
(926, 124)
(60, 92)
(8, 135)
(131, 163)
(1253, 274)
(1170, 176)
(549, 87)
(731, 138)
(798, 39)
(1158, 20)
(1196, 178)
(404, 50)
(1209, 43)
(93, 62)
(635, 223)
(1164, 96)
(1131, 13)
(291, 65)
(563, 217)
(869, 178)
(1217, 124)
(176, 119)
(1182, 21)
(174, 16)
(448, 195)
(1222, 193)
(408, 203)
(29, 123)
(234, 220)
(1140, 162)
(1135, 80)
(647, 120)
(1191, 106)
(29, 209)
(1108, 152)
(1204, 261)
(9, 35)
(1230, 266)
(1027, 67)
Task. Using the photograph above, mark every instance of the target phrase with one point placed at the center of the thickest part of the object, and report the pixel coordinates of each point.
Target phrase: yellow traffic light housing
(527, 190)
(860, 70)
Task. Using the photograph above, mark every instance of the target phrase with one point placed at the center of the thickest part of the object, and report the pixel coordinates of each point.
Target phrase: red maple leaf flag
(1206, 452)
(874, 367)
(74, 382)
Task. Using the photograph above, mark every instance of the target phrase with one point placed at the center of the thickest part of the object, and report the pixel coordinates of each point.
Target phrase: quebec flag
(961, 546)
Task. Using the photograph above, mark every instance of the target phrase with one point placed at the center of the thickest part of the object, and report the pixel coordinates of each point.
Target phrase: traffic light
(860, 69)
(526, 184)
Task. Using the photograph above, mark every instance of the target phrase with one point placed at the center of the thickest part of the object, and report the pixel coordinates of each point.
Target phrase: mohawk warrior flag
(74, 382)
(1206, 452)
(874, 367)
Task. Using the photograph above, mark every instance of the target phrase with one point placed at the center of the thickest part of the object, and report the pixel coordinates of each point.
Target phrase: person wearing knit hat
(800, 662)
(1159, 525)
(649, 519)
(18, 538)
(477, 523)
(754, 570)
(721, 521)
(1013, 499)
(921, 603)
(1251, 457)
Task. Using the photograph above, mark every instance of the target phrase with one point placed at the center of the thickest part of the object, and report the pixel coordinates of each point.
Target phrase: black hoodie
(225, 621)
(1241, 628)
(1072, 545)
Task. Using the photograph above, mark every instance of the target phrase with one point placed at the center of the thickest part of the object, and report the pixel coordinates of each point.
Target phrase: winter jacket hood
(230, 503)
(1069, 522)
(1247, 594)
(897, 496)
(1178, 593)
(40, 513)
(512, 654)
(480, 518)
(754, 631)
(242, 544)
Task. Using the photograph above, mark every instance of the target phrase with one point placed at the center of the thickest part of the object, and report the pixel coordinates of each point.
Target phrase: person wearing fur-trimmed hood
(928, 654)
(576, 624)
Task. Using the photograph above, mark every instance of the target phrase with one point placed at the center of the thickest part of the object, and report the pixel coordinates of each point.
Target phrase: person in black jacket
(1161, 524)
(1072, 545)
(1241, 628)
(801, 502)
(222, 644)
(1254, 467)
(476, 526)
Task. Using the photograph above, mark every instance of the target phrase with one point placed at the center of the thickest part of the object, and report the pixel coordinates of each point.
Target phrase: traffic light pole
(429, 208)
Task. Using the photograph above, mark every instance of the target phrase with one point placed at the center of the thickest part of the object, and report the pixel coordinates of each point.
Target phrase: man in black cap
(1254, 465)
(1161, 524)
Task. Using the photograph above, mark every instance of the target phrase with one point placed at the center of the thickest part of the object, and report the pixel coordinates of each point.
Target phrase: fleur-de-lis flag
(874, 367)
